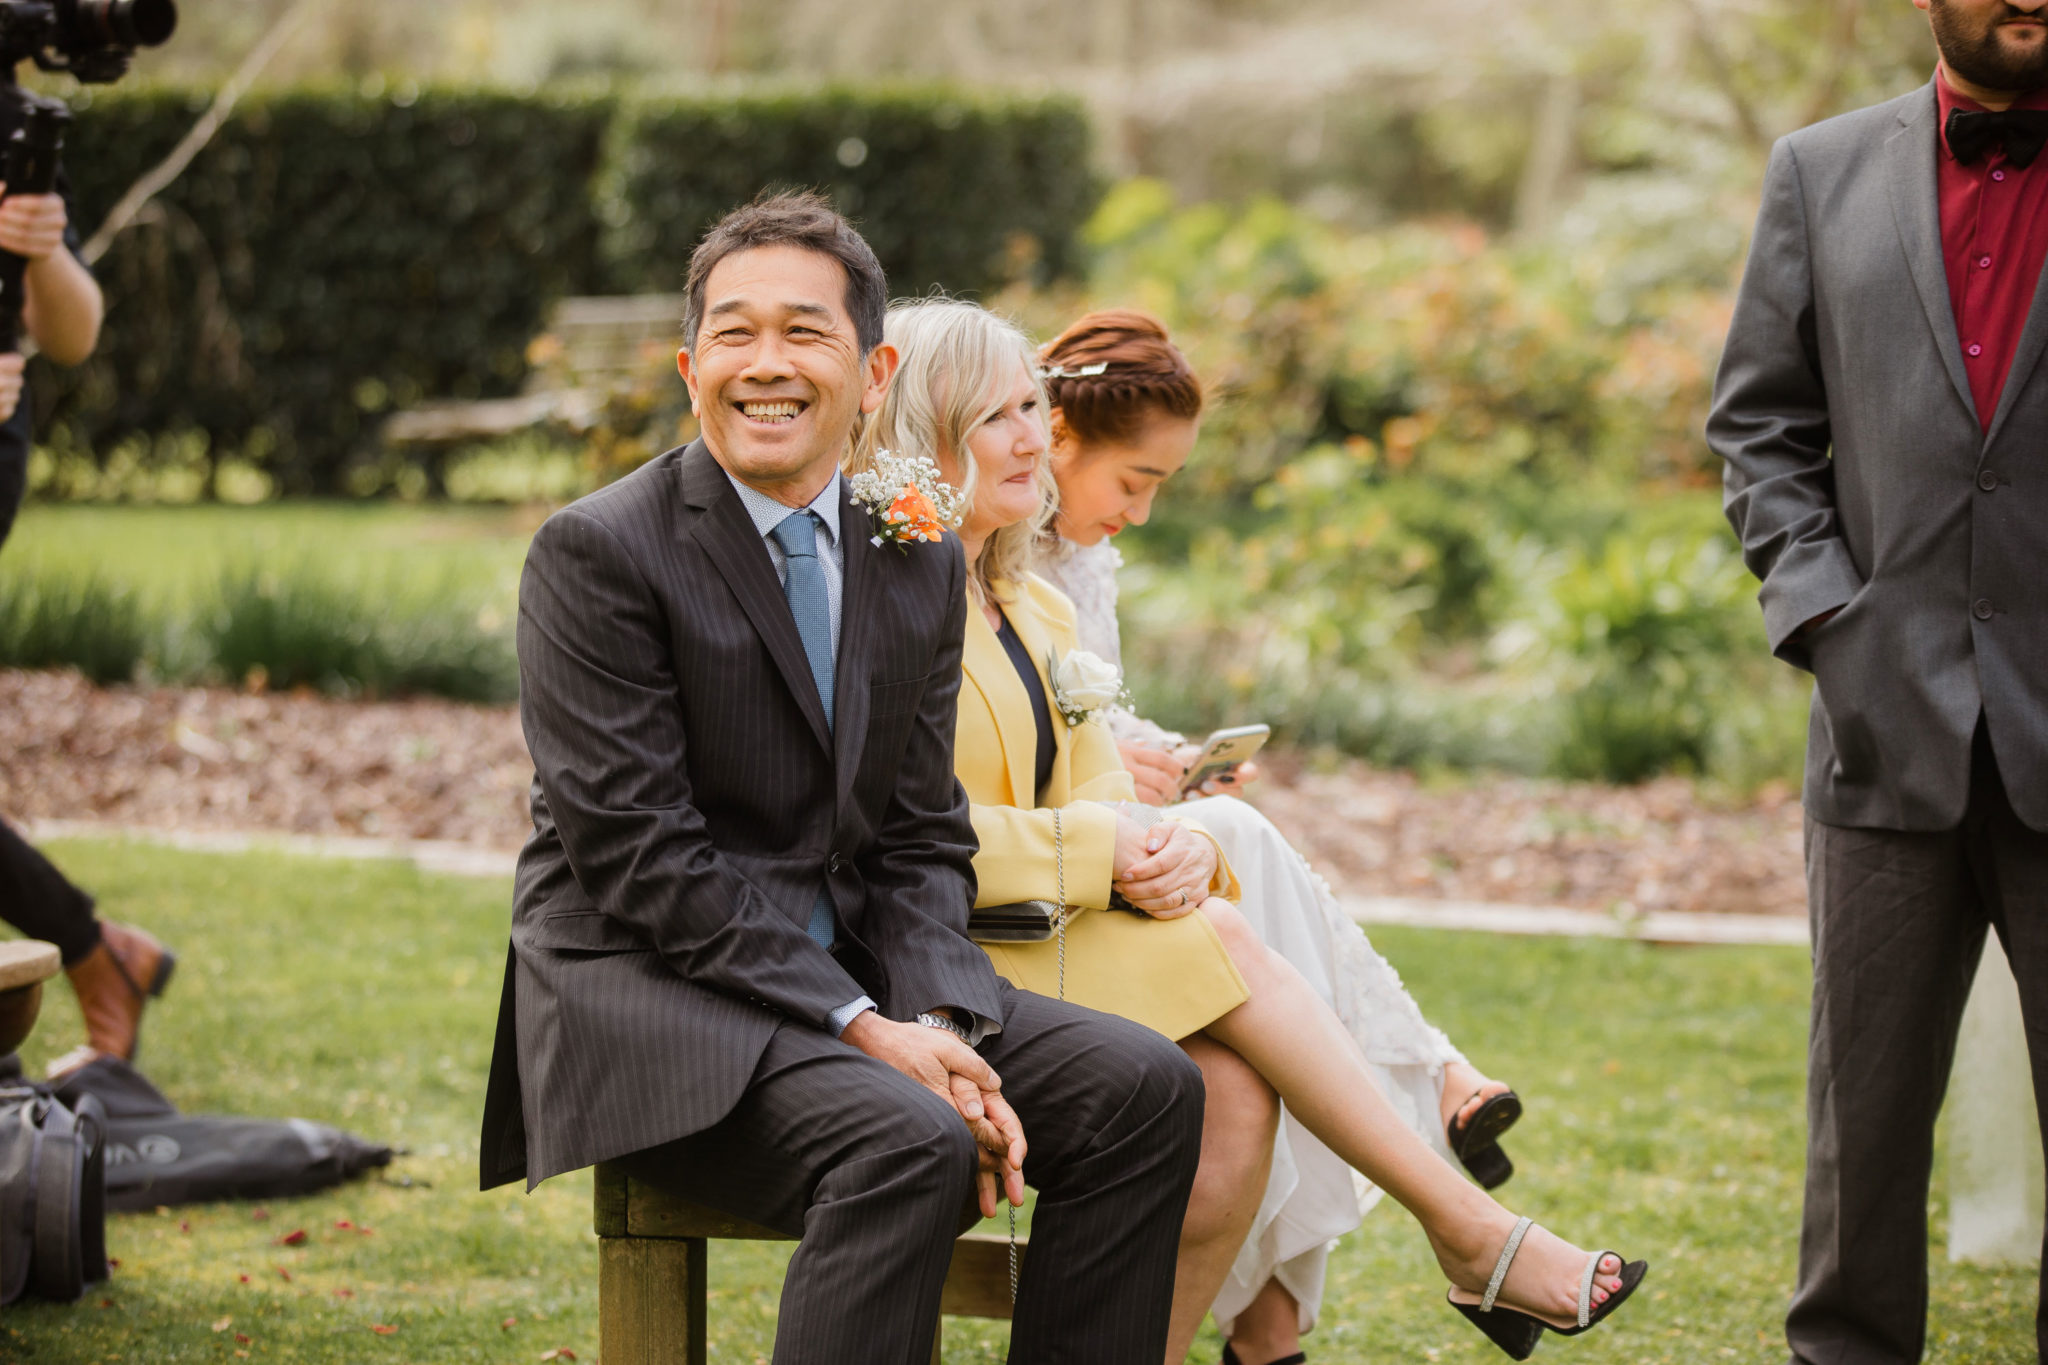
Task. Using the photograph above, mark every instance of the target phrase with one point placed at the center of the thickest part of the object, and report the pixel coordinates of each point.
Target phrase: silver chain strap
(1059, 930)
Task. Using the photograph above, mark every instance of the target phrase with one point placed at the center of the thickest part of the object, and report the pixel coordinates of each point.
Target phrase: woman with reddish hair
(1126, 407)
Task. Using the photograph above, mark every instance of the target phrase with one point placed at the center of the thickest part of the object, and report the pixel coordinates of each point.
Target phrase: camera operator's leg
(1112, 1116)
(114, 968)
(869, 1168)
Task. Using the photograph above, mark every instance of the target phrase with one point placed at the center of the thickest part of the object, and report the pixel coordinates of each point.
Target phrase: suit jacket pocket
(584, 931)
(895, 698)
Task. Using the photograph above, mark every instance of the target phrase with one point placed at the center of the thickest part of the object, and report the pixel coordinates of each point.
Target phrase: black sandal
(1518, 1333)
(1477, 1143)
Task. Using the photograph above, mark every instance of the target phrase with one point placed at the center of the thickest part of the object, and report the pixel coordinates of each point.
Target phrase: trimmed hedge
(959, 193)
(334, 255)
(327, 257)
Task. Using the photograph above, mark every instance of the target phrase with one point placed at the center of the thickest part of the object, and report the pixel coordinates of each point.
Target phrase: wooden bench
(25, 964)
(652, 1256)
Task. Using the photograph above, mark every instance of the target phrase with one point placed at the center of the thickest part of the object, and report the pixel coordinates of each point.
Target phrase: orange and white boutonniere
(907, 499)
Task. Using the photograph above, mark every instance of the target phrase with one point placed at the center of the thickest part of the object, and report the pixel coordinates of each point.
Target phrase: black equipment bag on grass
(52, 1193)
(156, 1155)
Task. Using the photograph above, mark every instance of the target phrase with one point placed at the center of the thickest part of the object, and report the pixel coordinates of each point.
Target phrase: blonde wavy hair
(959, 361)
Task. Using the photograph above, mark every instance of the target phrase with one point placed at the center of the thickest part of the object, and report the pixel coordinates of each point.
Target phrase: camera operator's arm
(61, 305)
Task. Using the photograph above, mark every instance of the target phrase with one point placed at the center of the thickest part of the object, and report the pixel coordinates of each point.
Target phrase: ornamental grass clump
(301, 626)
(86, 623)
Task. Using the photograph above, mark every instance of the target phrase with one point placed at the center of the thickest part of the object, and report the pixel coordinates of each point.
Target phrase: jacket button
(838, 864)
(1983, 611)
(1987, 480)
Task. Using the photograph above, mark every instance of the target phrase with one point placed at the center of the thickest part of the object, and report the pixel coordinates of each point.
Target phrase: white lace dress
(1312, 1197)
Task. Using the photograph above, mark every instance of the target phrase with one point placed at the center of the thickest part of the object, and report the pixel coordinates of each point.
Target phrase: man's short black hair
(800, 218)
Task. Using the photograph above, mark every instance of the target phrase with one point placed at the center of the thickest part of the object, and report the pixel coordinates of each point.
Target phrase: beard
(1979, 57)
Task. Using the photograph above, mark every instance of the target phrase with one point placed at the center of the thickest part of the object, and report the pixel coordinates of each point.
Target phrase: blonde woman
(1056, 817)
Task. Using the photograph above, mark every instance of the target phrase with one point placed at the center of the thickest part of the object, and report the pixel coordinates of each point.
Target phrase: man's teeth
(772, 412)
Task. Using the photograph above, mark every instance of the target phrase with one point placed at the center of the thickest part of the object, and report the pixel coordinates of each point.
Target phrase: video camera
(93, 40)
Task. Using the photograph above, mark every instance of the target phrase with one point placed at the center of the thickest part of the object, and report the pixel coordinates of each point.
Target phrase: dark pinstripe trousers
(1899, 919)
(873, 1172)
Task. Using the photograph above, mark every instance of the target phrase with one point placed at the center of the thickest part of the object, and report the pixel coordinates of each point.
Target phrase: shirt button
(1987, 481)
(1975, 349)
(1998, 175)
(1983, 610)
(1983, 262)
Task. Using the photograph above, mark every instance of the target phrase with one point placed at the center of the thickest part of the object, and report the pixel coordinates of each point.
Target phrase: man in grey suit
(739, 953)
(1883, 413)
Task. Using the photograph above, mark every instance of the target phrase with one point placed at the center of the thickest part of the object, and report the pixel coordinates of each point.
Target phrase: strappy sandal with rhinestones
(1517, 1332)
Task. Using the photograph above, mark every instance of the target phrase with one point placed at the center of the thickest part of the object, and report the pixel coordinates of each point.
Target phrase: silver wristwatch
(941, 1021)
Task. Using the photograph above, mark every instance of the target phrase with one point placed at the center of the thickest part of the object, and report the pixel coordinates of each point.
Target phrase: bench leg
(650, 1300)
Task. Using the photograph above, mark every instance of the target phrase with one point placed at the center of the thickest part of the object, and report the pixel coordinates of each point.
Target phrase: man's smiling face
(777, 377)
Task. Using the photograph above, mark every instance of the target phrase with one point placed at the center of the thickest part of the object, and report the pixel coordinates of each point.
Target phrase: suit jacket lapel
(987, 666)
(1030, 628)
(1910, 154)
(2024, 358)
(858, 557)
(734, 547)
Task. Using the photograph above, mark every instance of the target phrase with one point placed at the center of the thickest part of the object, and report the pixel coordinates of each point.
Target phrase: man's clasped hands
(1166, 871)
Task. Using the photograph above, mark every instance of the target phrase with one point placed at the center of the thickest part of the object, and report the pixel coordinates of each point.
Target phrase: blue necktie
(804, 585)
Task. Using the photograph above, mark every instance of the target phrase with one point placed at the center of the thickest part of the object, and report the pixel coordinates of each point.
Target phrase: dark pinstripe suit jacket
(688, 799)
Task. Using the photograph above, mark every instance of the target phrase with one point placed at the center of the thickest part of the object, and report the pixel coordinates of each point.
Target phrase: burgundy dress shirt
(1994, 238)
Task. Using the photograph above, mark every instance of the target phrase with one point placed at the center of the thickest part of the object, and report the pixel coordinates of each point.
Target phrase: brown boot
(114, 981)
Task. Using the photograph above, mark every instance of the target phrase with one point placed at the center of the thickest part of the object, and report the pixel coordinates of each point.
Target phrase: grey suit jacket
(1859, 476)
(688, 800)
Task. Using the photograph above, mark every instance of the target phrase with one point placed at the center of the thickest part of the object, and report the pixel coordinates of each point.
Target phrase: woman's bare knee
(1240, 940)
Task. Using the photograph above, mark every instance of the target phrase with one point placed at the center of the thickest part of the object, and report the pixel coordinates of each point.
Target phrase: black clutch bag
(1018, 922)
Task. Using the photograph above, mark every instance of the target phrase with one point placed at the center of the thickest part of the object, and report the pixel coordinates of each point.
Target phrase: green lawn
(1664, 1119)
(175, 555)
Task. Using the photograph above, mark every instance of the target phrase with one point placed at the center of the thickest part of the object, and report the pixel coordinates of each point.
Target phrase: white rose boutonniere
(1082, 684)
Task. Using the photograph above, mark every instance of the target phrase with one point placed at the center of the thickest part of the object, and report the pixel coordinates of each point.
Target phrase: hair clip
(1085, 372)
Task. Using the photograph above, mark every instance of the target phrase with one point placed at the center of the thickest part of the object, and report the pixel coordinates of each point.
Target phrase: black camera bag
(53, 1234)
(157, 1155)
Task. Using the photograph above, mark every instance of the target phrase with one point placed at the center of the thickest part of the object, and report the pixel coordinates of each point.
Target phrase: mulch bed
(215, 759)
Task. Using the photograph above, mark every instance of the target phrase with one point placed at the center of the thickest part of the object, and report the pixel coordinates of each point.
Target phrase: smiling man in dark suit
(1883, 411)
(739, 950)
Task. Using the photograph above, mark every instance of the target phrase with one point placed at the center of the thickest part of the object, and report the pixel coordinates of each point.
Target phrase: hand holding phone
(1222, 753)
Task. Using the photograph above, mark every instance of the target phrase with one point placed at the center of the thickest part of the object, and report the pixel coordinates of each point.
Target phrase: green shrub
(332, 256)
(328, 257)
(303, 627)
(961, 192)
(55, 621)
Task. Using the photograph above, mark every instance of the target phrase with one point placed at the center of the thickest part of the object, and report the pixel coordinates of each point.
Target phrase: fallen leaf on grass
(260, 1215)
(222, 1324)
(292, 1238)
(243, 1278)
(184, 1226)
(343, 1224)
(284, 1272)
(106, 1303)
(382, 1329)
(559, 1353)
(508, 1324)
(243, 1339)
(241, 1355)
(344, 1293)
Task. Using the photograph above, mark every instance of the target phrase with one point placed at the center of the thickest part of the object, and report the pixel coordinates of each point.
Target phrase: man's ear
(689, 374)
(882, 363)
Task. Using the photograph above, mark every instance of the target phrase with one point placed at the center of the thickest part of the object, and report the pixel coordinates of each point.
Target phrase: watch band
(941, 1021)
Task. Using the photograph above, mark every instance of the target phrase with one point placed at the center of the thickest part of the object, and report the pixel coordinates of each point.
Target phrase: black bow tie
(1974, 132)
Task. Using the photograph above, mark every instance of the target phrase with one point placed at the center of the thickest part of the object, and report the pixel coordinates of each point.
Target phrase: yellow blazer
(1171, 975)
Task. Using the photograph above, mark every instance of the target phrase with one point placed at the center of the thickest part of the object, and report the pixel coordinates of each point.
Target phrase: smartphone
(1224, 750)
